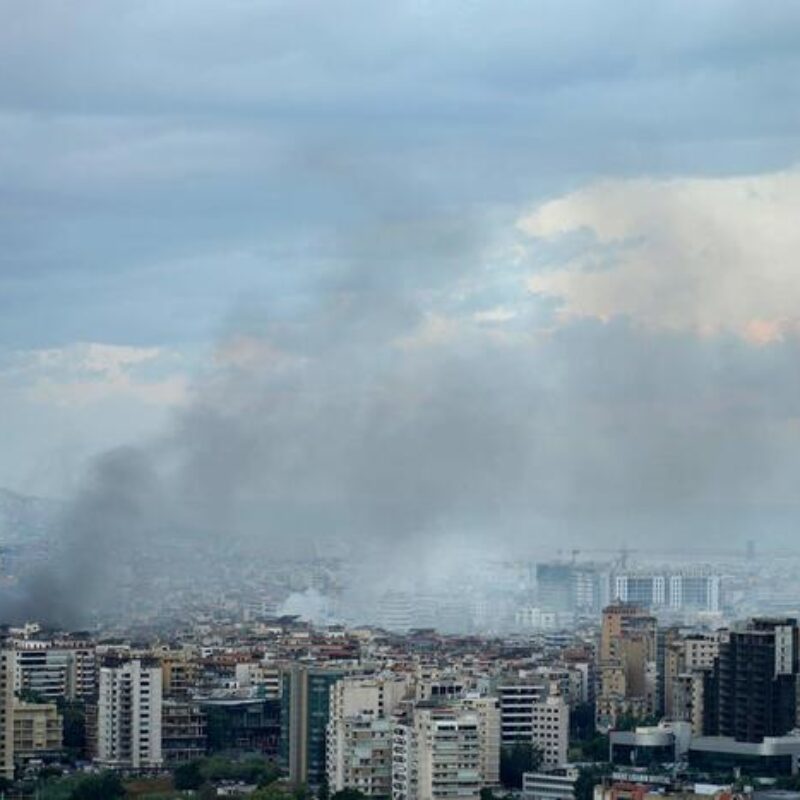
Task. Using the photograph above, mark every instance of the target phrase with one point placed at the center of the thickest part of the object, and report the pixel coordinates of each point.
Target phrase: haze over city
(397, 283)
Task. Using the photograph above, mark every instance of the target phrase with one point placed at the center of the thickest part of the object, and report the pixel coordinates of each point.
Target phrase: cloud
(145, 146)
(707, 255)
(91, 373)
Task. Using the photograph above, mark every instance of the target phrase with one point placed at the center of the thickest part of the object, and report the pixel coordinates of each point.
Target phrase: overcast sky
(521, 257)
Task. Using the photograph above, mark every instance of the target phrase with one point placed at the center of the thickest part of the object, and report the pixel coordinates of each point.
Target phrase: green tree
(104, 786)
(515, 760)
(348, 794)
(188, 776)
(588, 777)
(74, 716)
(207, 792)
(274, 791)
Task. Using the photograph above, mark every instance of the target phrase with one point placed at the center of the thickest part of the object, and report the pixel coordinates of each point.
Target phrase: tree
(74, 715)
(105, 786)
(587, 778)
(515, 760)
(188, 776)
(348, 794)
(275, 791)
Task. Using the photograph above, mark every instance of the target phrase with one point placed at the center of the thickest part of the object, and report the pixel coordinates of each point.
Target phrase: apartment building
(129, 715)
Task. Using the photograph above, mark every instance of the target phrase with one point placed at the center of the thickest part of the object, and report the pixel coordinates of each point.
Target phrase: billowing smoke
(420, 394)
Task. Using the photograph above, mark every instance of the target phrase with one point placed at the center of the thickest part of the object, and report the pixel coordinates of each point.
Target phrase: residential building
(555, 784)
(54, 670)
(359, 733)
(264, 677)
(696, 589)
(183, 731)
(439, 752)
(550, 722)
(488, 711)
(517, 698)
(752, 691)
(627, 665)
(38, 731)
(129, 715)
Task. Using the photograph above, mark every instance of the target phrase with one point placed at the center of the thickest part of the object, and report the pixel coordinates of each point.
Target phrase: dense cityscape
(581, 676)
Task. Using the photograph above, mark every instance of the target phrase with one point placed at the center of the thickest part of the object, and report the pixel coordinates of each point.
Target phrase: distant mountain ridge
(25, 518)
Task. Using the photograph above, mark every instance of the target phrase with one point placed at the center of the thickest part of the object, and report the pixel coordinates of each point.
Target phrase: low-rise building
(38, 731)
(556, 784)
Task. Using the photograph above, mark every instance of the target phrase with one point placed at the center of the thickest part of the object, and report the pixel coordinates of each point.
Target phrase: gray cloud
(164, 142)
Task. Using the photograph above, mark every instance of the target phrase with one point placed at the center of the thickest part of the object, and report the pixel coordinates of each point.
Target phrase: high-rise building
(488, 711)
(359, 734)
(752, 691)
(627, 665)
(305, 712)
(129, 715)
(696, 589)
(572, 587)
(441, 752)
(551, 730)
(359, 755)
(686, 660)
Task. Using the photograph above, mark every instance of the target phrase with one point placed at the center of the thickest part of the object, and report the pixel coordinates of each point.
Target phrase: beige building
(265, 677)
(627, 670)
(179, 674)
(359, 734)
(488, 711)
(38, 730)
(686, 660)
(551, 730)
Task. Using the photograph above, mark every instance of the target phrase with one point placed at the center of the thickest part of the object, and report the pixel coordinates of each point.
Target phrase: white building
(556, 784)
(129, 716)
(551, 730)
(517, 699)
(441, 752)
